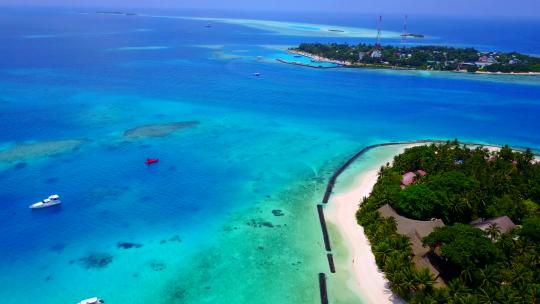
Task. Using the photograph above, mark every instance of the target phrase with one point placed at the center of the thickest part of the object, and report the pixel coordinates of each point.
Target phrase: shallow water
(203, 215)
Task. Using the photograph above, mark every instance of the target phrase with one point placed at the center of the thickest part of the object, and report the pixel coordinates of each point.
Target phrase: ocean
(228, 214)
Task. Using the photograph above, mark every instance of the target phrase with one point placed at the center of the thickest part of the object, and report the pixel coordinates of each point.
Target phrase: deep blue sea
(198, 227)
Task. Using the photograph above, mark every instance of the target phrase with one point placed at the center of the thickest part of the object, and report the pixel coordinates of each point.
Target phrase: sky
(432, 7)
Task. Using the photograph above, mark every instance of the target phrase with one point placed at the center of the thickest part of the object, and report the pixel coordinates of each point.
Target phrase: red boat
(150, 161)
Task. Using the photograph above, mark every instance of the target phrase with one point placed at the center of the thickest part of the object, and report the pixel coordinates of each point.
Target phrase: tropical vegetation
(462, 184)
(428, 57)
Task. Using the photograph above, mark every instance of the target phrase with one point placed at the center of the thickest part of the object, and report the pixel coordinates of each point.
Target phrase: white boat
(94, 300)
(52, 200)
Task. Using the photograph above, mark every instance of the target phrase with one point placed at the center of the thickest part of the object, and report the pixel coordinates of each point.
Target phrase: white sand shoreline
(366, 280)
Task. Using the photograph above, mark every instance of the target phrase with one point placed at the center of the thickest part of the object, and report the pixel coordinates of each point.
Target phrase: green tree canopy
(463, 245)
(417, 202)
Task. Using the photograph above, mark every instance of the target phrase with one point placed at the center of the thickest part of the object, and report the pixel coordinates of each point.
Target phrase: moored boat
(150, 161)
(52, 200)
(94, 300)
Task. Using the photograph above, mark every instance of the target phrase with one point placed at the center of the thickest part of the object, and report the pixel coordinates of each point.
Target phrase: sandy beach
(357, 182)
(366, 279)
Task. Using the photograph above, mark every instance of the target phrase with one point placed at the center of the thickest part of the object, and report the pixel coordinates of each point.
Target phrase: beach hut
(415, 230)
(503, 223)
(408, 178)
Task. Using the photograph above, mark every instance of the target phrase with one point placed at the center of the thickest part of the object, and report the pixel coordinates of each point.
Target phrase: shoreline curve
(366, 280)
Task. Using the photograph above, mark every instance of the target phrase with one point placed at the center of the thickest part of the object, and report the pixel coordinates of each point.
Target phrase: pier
(323, 228)
(331, 262)
(309, 65)
(322, 288)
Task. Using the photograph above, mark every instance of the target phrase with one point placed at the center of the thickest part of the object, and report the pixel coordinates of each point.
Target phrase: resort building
(503, 223)
(361, 55)
(376, 54)
(485, 60)
(415, 231)
(409, 177)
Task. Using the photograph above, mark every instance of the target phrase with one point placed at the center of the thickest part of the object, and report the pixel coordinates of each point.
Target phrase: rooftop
(409, 177)
(504, 223)
(415, 231)
(407, 226)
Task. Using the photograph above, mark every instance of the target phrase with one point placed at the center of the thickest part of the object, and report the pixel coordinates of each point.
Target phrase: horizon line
(133, 9)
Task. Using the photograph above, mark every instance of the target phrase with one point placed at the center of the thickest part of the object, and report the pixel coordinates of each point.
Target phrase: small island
(449, 223)
(115, 13)
(435, 58)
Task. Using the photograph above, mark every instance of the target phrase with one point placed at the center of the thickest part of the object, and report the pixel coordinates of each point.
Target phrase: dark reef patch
(98, 260)
(20, 165)
(128, 245)
(58, 247)
(157, 265)
(52, 180)
(175, 238)
(26, 151)
(277, 212)
(105, 193)
(158, 130)
(258, 223)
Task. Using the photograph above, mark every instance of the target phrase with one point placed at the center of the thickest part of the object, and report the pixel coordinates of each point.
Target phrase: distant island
(116, 13)
(436, 58)
(453, 224)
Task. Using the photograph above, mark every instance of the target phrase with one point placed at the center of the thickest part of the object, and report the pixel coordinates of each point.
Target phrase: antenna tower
(378, 43)
(405, 31)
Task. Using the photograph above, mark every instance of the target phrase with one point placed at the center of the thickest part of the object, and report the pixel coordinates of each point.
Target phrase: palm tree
(507, 244)
(423, 298)
(457, 287)
(532, 258)
(466, 203)
(486, 297)
(467, 274)
(400, 285)
(493, 232)
(410, 279)
(440, 295)
(520, 275)
(391, 223)
(393, 264)
(487, 277)
(456, 208)
(401, 243)
(533, 293)
(507, 294)
(382, 251)
(424, 280)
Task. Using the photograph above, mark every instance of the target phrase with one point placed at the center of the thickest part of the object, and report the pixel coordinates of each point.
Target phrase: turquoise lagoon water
(198, 227)
(304, 60)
